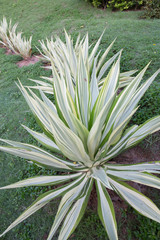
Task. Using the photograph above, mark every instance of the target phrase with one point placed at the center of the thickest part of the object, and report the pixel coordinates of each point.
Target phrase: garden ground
(140, 42)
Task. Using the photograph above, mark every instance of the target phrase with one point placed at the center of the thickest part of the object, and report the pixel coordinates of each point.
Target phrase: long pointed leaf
(75, 214)
(106, 211)
(42, 181)
(101, 175)
(139, 177)
(137, 200)
(34, 154)
(68, 199)
(43, 139)
(39, 203)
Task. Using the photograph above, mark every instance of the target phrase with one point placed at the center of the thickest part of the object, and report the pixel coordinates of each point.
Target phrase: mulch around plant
(46, 66)
(8, 51)
(26, 62)
(132, 156)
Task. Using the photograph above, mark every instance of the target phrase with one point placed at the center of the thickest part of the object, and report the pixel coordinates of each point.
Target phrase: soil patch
(9, 52)
(46, 66)
(132, 156)
(137, 155)
(29, 61)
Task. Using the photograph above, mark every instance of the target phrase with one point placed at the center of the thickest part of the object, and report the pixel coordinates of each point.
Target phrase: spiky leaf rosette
(13, 40)
(88, 126)
(65, 57)
(4, 31)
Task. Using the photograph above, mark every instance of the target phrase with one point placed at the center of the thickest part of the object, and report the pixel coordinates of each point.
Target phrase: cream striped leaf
(67, 140)
(35, 154)
(139, 177)
(137, 200)
(108, 89)
(142, 167)
(41, 201)
(136, 98)
(122, 102)
(103, 58)
(83, 91)
(43, 139)
(106, 211)
(75, 214)
(42, 181)
(106, 67)
(99, 174)
(149, 127)
(95, 133)
(68, 199)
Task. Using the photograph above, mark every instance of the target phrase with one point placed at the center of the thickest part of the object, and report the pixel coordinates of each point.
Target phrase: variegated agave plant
(20, 45)
(65, 58)
(4, 30)
(84, 129)
(13, 40)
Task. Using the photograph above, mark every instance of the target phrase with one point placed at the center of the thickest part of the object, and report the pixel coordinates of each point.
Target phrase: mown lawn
(44, 18)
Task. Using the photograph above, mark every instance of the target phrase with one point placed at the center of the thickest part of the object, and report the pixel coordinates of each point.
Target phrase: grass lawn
(43, 18)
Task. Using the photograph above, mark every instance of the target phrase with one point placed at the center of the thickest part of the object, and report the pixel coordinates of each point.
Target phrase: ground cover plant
(152, 9)
(125, 5)
(140, 41)
(118, 4)
(87, 127)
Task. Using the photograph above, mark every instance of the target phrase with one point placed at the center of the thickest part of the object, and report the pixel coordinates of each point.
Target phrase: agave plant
(20, 45)
(4, 31)
(65, 57)
(14, 40)
(84, 129)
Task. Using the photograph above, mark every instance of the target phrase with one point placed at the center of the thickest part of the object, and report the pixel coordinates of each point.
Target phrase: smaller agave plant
(65, 57)
(14, 40)
(20, 45)
(4, 30)
(84, 129)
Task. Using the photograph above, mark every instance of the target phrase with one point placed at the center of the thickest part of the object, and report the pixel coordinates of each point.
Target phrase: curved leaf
(41, 202)
(106, 211)
(137, 200)
(42, 181)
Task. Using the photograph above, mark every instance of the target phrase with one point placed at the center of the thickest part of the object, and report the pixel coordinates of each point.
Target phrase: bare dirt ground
(26, 62)
(145, 152)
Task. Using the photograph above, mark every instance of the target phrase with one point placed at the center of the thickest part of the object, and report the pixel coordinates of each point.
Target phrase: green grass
(42, 19)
